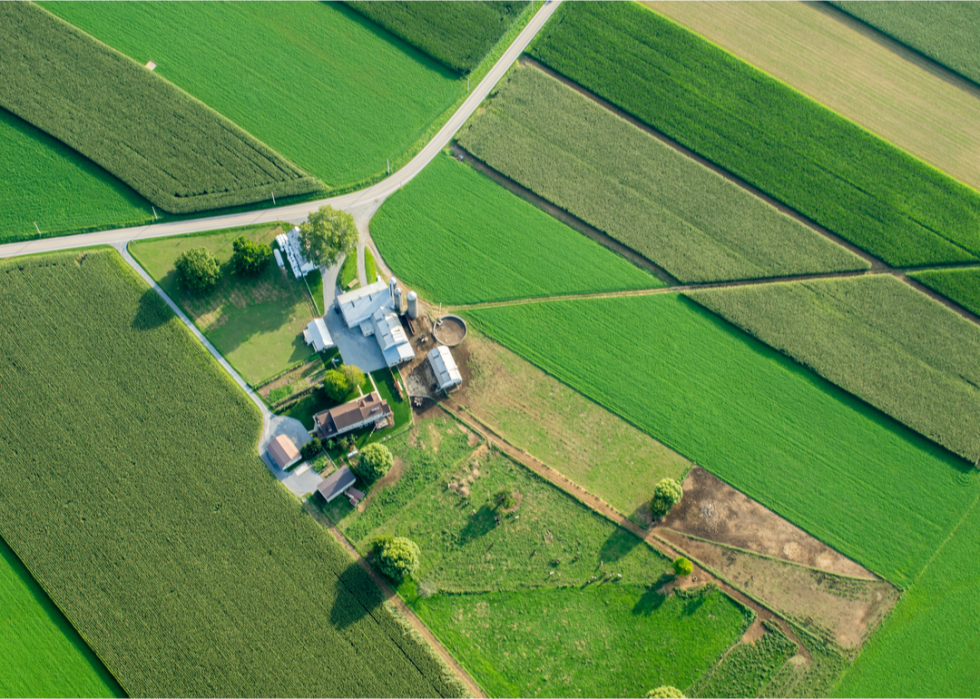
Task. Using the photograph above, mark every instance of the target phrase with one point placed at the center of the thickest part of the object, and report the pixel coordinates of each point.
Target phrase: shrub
(665, 691)
(354, 376)
(374, 463)
(505, 498)
(397, 557)
(197, 270)
(250, 257)
(335, 385)
(683, 567)
(666, 494)
(331, 445)
(311, 448)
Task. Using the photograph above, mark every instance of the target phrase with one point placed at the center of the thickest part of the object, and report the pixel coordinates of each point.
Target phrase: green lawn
(322, 85)
(138, 501)
(842, 471)
(348, 271)
(257, 324)
(959, 285)
(46, 182)
(41, 654)
(686, 218)
(459, 237)
(877, 338)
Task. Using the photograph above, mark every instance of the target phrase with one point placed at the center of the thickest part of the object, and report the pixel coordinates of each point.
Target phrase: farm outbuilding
(283, 451)
(291, 245)
(336, 484)
(374, 309)
(359, 305)
(316, 334)
(444, 367)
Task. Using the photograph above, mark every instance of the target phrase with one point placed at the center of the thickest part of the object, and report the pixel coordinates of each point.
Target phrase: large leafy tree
(250, 257)
(375, 462)
(396, 556)
(666, 494)
(197, 270)
(328, 235)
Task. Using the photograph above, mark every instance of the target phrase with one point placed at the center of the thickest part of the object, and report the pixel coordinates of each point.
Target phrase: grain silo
(413, 304)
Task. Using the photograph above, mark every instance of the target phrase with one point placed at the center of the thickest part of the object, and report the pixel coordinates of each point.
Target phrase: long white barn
(372, 309)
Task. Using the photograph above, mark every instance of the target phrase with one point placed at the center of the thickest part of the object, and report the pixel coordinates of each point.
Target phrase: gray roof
(360, 304)
(444, 367)
(336, 483)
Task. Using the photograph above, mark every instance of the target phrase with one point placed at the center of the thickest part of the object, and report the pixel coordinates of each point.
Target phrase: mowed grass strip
(947, 32)
(459, 237)
(132, 491)
(41, 654)
(167, 146)
(672, 210)
(852, 477)
(46, 182)
(800, 153)
(457, 34)
(959, 285)
(322, 85)
(877, 338)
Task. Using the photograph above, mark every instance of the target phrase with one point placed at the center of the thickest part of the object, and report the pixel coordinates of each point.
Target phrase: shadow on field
(478, 525)
(357, 597)
(152, 311)
(650, 601)
(619, 543)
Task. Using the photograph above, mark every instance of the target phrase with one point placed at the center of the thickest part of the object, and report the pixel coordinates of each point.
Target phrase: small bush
(374, 463)
(666, 494)
(197, 270)
(311, 448)
(335, 385)
(250, 257)
(665, 691)
(331, 445)
(683, 567)
(505, 499)
(397, 557)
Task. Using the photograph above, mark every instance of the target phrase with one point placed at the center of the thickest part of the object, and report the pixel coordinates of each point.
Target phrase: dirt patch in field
(711, 509)
(840, 609)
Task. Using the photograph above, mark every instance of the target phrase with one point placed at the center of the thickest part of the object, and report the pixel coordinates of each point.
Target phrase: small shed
(316, 334)
(444, 367)
(336, 484)
(283, 452)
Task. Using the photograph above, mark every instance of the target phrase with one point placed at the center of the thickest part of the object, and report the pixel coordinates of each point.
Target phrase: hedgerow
(611, 174)
(457, 34)
(827, 168)
(172, 149)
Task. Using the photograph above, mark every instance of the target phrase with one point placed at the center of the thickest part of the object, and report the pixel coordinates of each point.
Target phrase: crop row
(825, 167)
(175, 151)
(959, 285)
(690, 221)
(131, 490)
(457, 34)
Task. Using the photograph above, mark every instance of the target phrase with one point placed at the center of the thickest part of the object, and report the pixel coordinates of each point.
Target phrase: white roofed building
(392, 337)
(359, 305)
(444, 367)
(291, 245)
(316, 334)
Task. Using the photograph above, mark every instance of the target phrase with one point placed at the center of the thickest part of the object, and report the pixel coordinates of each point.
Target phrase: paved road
(297, 212)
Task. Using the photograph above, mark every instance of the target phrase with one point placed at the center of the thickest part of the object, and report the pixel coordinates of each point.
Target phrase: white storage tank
(413, 304)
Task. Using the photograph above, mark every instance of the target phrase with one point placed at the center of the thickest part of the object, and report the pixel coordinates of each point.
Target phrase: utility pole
(155, 217)
(38, 229)
(273, 198)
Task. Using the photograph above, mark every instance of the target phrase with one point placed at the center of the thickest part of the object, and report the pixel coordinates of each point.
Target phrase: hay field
(837, 61)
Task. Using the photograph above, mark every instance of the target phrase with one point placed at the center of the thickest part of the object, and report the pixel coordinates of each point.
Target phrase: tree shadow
(478, 525)
(693, 605)
(152, 311)
(651, 600)
(619, 543)
(357, 597)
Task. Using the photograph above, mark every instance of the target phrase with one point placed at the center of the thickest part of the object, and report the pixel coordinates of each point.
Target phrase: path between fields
(601, 507)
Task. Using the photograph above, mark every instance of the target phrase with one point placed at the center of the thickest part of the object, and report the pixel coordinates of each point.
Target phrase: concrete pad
(355, 349)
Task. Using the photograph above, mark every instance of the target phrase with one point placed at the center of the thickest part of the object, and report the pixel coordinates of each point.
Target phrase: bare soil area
(711, 509)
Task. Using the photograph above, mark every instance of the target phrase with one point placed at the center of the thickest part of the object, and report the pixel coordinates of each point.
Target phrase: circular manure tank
(450, 330)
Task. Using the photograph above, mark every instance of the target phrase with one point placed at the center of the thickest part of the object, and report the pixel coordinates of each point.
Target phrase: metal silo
(413, 304)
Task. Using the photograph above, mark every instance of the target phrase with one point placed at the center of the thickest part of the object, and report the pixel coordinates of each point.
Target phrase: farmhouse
(316, 334)
(375, 310)
(444, 367)
(366, 410)
(336, 484)
(283, 451)
(290, 244)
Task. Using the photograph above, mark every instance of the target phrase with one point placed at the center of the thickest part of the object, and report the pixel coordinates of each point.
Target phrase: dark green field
(800, 153)
(457, 34)
(130, 486)
(959, 285)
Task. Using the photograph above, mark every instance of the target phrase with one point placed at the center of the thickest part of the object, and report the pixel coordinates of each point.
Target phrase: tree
(197, 270)
(666, 494)
(335, 385)
(311, 448)
(505, 498)
(683, 567)
(250, 257)
(665, 691)
(327, 235)
(374, 463)
(397, 557)
(354, 376)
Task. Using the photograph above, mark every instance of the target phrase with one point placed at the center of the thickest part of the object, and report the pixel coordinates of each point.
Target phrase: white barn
(359, 305)
(372, 309)
(444, 367)
(316, 334)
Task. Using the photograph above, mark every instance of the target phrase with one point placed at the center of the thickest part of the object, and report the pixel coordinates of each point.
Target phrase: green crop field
(749, 668)
(256, 323)
(519, 593)
(947, 32)
(170, 148)
(41, 654)
(320, 84)
(459, 237)
(457, 34)
(778, 140)
(45, 181)
(689, 220)
(877, 338)
(959, 285)
(855, 479)
(131, 488)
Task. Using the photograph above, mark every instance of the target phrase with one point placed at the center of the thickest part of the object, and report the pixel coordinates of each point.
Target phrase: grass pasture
(134, 501)
(853, 478)
(41, 653)
(946, 32)
(672, 210)
(257, 324)
(841, 66)
(47, 182)
(317, 82)
(959, 285)
(456, 34)
(842, 177)
(459, 237)
(749, 668)
(173, 150)
(877, 338)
